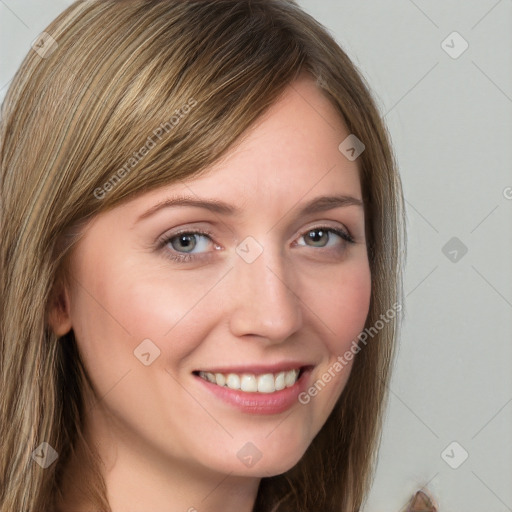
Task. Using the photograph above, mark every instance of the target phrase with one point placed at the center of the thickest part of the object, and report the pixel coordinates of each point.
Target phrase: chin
(272, 462)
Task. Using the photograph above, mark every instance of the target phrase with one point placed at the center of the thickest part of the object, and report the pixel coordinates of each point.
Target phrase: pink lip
(258, 369)
(260, 403)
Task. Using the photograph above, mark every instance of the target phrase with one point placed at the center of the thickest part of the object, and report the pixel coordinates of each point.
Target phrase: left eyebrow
(323, 203)
(319, 204)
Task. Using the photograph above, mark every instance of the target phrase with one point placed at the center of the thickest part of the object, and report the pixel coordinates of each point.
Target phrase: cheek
(105, 339)
(344, 305)
(341, 313)
(168, 310)
(123, 307)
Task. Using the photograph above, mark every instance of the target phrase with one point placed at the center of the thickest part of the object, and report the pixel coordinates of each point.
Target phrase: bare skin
(168, 444)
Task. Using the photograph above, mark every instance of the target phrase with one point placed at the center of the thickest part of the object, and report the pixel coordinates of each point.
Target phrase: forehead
(289, 153)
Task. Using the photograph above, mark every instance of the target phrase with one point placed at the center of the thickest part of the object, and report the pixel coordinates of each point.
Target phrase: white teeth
(250, 383)
(220, 379)
(211, 377)
(280, 383)
(290, 378)
(233, 381)
(266, 383)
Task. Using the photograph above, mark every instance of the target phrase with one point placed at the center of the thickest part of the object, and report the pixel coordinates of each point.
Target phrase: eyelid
(162, 241)
(167, 237)
(182, 257)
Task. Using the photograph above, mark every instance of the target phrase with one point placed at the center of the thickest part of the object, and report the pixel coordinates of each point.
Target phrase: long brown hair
(106, 76)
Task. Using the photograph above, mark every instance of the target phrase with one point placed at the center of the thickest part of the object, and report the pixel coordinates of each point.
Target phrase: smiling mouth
(252, 383)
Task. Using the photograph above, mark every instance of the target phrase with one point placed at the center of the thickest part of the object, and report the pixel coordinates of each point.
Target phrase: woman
(202, 261)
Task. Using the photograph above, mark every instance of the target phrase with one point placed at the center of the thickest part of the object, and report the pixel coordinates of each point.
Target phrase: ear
(59, 317)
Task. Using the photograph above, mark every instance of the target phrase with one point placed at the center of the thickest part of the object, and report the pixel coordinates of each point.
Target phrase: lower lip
(260, 403)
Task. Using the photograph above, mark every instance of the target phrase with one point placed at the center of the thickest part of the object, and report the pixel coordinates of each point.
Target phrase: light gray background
(451, 124)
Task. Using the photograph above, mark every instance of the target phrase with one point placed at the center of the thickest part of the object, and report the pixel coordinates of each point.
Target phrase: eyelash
(185, 258)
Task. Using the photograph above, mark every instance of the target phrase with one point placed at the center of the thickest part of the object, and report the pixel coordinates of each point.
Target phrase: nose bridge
(264, 301)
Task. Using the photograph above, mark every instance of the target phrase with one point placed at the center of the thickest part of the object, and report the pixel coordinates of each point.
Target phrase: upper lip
(258, 368)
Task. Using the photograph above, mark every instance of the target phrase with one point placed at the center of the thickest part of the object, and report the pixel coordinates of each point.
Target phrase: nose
(263, 301)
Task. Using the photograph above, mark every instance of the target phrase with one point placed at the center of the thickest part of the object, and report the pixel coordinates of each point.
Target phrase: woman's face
(266, 288)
